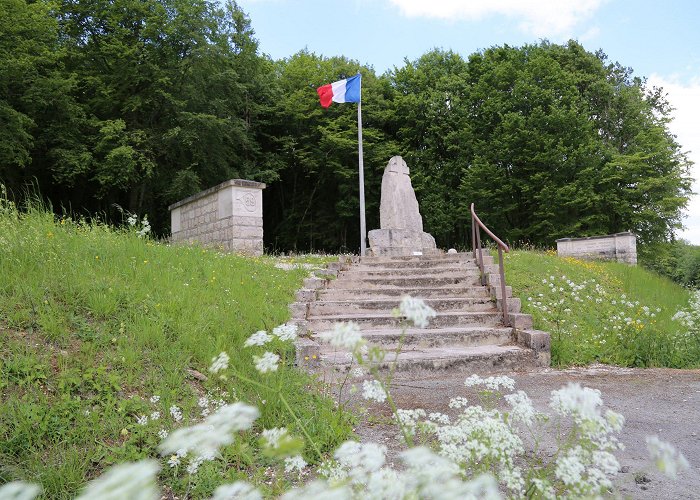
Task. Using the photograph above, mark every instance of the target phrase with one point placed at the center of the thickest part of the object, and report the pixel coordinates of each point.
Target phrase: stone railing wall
(621, 247)
(228, 216)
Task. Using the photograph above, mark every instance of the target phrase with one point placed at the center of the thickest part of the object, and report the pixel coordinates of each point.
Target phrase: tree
(315, 204)
(548, 140)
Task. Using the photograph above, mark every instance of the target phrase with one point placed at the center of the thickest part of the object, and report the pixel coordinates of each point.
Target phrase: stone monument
(400, 222)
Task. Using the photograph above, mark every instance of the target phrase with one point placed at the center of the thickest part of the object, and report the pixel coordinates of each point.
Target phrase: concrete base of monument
(399, 242)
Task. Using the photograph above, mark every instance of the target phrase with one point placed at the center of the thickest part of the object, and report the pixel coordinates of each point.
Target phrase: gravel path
(664, 402)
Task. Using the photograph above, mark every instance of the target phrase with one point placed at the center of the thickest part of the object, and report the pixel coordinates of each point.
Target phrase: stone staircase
(467, 333)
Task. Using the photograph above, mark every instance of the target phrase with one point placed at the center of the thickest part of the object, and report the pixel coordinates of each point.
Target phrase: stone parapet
(621, 247)
(227, 216)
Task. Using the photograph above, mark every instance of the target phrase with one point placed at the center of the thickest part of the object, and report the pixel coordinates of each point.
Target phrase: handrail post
(473, 238)
(504, 300)
(481, 257)
(478, 255)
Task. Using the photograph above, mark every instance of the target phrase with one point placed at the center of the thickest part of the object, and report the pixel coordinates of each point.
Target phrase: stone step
(364, 305)
(403, 259)
(336, 291)
(477, 359)
(420, 264)
(358, 272)
(404, 281)
(384, 320)
(421, 338)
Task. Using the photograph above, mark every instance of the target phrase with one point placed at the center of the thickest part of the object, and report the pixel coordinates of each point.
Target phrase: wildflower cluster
(610, 327)
(688, 339)
(142, 227)
(476, 454)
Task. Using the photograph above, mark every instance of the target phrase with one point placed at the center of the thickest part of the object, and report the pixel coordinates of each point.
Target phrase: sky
(658, 40)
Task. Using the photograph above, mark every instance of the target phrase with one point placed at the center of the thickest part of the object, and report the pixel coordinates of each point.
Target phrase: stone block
(306, 295)
(299, 310)
(308, 353)
(400, 242)
(514, 305)
(247, 232)
(314, 283)
(538, 341)
(520, 321)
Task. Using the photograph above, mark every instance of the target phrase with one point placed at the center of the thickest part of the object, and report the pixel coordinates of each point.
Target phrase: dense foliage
(143, 102)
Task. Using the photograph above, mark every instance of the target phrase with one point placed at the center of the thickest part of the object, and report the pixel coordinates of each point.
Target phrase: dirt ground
(664, 402)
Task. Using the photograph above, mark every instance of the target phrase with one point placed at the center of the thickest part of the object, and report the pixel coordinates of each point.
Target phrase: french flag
(347, 90)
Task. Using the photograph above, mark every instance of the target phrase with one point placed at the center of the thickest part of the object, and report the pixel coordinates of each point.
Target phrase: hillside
(603, 311)
(99, 328)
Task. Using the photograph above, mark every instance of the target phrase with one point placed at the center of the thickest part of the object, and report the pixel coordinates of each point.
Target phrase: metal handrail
(476, 247)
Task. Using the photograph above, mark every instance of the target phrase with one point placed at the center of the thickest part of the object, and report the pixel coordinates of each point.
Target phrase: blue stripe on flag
(352, 88)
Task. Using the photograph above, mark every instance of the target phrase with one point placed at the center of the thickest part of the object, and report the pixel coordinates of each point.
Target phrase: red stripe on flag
(325, 93)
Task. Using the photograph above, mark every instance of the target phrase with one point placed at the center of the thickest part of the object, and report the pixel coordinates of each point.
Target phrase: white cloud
(685, 97)
(541, 18)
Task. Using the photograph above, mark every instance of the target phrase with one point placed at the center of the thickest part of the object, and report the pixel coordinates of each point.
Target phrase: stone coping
(211, 190)
(597, 237)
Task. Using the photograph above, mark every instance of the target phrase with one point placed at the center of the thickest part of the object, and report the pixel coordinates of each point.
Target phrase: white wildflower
(295, 463)
(285, 332)
(267, 362)
(667, 459)
(408, 419)
(203, 402)
(258, 338)
(176, 413)
(522, 409)
(345, 335)
(217, 430)
(133, 480)
(373, 390)
(492, 383)
(155, 415)
(416, 311)
(219, 363)
(154, 399)
(274, 437)
(319, 490)
(458, 402)
(193, 466)
(570, 468)
(360, 458)
(19, 490)
(142, 420)
(162, 434)
(358, 372)
(439, 418)
(174, 461)
(577, 401)
(240, 490)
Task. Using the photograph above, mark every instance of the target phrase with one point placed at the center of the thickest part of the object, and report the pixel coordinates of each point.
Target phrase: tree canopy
(139, 103)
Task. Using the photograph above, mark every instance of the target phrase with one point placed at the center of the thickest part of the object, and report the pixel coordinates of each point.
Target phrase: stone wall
(227, 216)
(621, 247)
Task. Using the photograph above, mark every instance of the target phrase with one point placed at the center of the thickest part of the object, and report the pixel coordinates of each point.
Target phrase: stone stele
(400, 222)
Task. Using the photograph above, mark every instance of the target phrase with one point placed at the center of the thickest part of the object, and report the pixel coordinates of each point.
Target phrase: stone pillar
(227, 216)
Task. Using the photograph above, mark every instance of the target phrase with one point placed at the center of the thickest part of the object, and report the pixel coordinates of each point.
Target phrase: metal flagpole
(363, 224)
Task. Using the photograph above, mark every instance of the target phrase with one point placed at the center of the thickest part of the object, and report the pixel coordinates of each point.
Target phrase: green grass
(94, 321)
(620, 315)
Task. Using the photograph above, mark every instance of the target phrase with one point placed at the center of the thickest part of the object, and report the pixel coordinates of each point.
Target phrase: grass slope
(94, 322)
(603, 311)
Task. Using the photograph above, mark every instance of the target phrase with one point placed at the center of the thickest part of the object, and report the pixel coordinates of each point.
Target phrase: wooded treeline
(139, 103)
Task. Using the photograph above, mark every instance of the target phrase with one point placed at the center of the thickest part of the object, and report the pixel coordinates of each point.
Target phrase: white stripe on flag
(339, 90)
